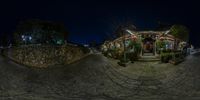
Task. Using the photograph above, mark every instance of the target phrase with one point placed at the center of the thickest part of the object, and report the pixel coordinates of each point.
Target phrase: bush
(167, 55)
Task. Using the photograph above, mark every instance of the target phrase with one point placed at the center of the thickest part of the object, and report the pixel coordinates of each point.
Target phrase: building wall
(46, 56)
(157, 36)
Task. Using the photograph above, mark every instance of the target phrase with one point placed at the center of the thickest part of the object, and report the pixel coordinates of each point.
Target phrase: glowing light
(22, 36)
(166, 46)
(30, 38)
(129, 31)
(167, 32)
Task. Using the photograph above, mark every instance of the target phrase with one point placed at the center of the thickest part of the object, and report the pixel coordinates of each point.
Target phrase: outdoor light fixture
(166, 46)
(26, 38)
(30, 38)
(167, 32)
(22, 36)
(129, 32)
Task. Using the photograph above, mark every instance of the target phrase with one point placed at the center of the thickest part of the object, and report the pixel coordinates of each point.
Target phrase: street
(95, 78)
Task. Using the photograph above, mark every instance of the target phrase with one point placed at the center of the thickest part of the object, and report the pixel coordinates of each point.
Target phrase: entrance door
(148, 46)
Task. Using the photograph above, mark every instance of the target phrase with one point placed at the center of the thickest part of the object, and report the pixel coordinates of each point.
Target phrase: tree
(39, 31)
(180, 31)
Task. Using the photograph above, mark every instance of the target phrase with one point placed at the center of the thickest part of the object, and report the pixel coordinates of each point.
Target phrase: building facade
(150, 42)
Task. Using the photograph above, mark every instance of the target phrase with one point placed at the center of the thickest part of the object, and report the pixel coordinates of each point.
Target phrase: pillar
(140, 37)
(155, 53)
(157, 37)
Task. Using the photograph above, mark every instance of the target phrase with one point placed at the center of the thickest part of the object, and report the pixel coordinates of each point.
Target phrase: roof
(152, 32)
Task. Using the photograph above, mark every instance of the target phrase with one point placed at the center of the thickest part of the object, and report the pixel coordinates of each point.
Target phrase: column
(155, 53)
(156, 46)
(141, 43)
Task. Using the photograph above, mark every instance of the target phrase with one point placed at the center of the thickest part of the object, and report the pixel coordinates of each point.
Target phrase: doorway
(148, 46)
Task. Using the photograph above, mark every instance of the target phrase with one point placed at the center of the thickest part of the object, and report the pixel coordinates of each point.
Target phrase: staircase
(149, 57)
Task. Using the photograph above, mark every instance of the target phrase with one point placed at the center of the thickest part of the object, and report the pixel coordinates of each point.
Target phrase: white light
(22, 36)
(166, 46)
(30, 38)
(129, 32)
(167, 32)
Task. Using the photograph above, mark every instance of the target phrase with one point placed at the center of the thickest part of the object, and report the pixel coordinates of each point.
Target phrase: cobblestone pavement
(97, 78)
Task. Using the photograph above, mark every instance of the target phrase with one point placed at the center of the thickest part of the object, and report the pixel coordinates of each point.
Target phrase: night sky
(89, 21)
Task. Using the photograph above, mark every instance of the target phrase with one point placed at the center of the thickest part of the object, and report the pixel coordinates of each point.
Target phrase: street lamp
(24, 39)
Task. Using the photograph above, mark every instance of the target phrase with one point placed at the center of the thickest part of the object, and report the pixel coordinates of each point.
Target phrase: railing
(194, 51)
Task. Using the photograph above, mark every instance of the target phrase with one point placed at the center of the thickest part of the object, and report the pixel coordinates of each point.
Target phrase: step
(154, 59)
(149, 58)
(148, 54)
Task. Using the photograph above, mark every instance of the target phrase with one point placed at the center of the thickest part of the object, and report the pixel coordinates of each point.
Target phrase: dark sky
(94, 20)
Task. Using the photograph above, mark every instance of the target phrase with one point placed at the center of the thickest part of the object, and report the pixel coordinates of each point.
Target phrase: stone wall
(46, 56)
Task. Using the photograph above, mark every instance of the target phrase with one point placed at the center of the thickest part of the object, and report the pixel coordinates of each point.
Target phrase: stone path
(97, 78)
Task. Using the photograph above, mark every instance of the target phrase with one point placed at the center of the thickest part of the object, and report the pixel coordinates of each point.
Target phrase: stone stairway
(149, 58)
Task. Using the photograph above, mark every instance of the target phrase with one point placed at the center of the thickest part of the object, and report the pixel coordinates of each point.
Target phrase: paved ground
(97, 78)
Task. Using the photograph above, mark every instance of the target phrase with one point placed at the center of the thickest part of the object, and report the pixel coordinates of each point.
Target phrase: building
(151, 42)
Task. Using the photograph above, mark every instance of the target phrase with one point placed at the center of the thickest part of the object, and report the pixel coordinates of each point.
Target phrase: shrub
(169, 55)
(166, 56)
